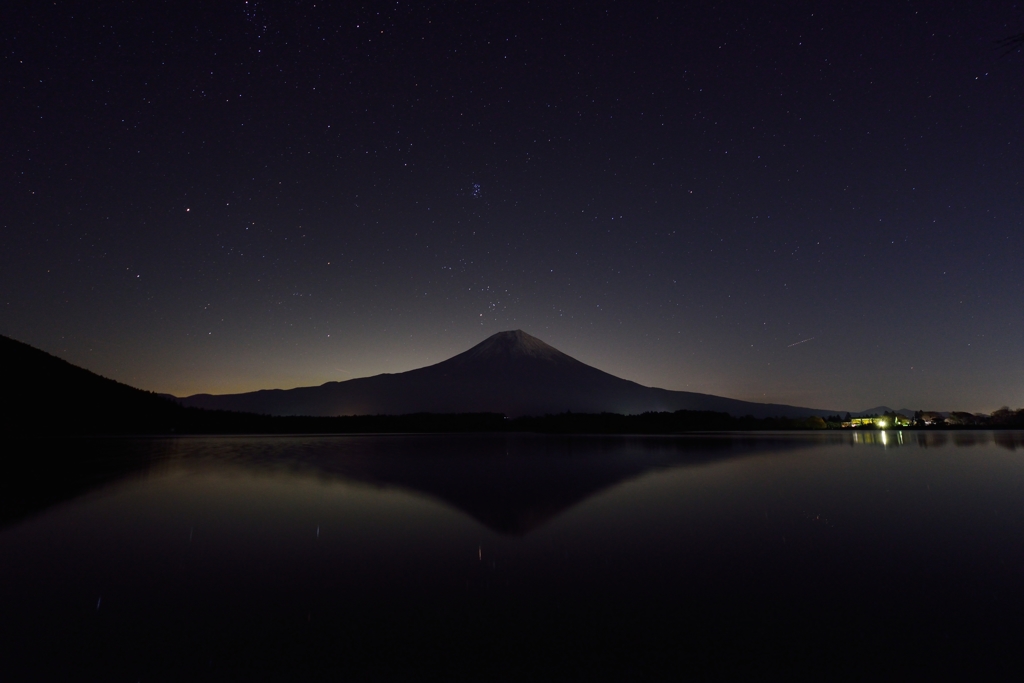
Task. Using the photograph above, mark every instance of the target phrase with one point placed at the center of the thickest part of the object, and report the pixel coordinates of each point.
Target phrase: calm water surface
(814, 556)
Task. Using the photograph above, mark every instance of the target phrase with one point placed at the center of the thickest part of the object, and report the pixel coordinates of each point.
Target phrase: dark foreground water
(751, 557)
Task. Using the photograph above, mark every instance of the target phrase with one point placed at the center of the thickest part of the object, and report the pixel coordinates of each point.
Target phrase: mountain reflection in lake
(821, 556)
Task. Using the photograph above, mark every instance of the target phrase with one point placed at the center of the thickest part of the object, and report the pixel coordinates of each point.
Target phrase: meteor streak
(799, 342)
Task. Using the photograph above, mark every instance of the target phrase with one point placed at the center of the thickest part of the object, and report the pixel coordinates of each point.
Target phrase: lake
(825, 556)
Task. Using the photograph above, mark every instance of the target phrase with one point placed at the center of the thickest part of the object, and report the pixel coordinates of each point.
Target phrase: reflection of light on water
(878, 438)
(885, 438)
(895, 438)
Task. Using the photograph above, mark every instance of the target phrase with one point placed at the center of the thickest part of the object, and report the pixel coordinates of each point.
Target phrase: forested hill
(43, 394)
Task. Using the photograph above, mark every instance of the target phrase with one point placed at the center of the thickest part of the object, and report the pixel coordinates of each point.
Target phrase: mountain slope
(881, 410)
(510, 372)
(44, 394)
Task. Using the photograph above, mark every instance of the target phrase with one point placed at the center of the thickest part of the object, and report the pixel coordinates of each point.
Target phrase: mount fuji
(511, 372)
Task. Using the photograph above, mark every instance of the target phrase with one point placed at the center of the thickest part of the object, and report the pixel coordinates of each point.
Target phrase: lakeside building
(879, 422)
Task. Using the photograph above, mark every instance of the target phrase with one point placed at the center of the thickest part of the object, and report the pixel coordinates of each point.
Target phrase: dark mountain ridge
(882, 410)
(512, 373)
(44, 394)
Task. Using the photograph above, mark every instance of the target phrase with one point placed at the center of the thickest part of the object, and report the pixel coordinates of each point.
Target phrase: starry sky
(815, 203)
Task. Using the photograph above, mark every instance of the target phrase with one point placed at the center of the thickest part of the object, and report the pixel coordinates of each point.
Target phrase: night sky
(814, 203)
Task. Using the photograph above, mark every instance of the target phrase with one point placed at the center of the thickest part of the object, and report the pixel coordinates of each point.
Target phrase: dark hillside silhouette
(46, 396)
(43, 394)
